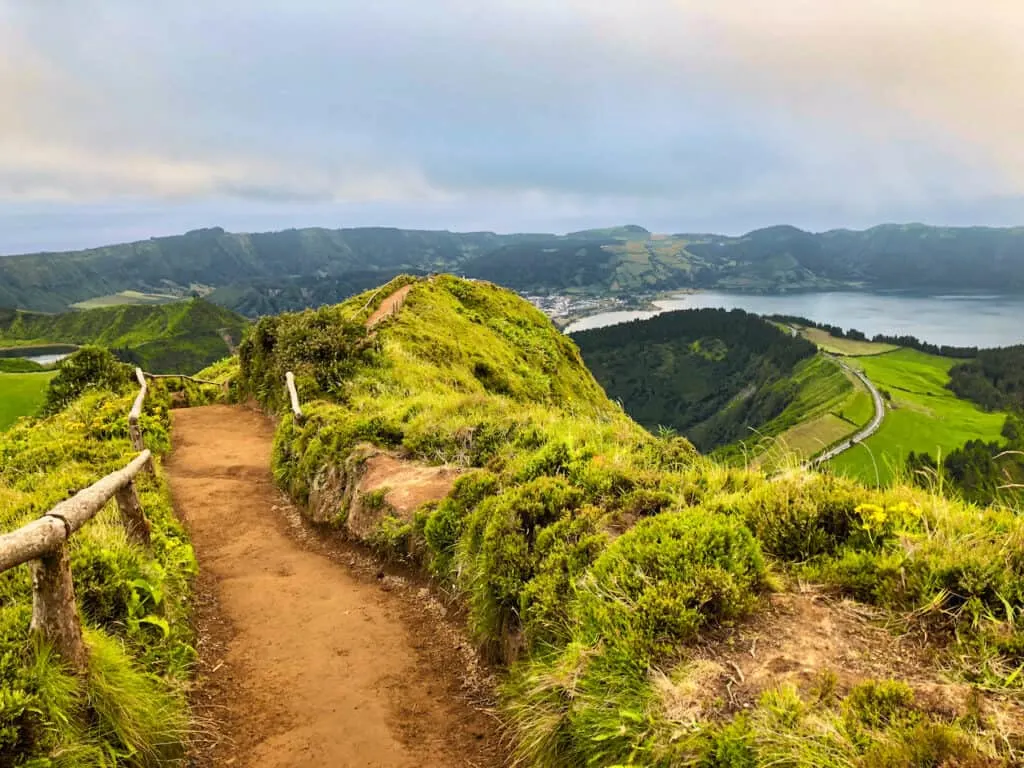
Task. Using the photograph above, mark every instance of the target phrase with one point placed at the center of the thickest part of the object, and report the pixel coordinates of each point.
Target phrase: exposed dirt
(810, 639)
(309, 659)
(407, 486)
(389, 306)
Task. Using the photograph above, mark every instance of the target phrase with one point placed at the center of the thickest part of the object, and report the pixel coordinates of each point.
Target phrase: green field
(830, 405)
(924, 415)
(21, 394)
(846, 347)
(126, 297)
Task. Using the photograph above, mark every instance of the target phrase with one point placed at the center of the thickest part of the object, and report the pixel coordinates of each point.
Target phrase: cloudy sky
(124, 119)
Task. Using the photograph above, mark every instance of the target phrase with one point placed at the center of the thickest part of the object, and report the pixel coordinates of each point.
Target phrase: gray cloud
(679, 114)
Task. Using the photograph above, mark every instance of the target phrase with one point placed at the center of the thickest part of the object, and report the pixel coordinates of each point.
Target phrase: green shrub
(445, 525)
(497, 555)
(668, 577)
(86, 368)
(881, 704)
(801, 516)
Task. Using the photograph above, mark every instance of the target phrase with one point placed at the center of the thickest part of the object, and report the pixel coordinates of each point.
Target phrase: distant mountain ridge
(275, 271)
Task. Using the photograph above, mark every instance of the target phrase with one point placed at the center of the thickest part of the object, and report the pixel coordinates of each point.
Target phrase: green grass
(21, 394)
(129, 709)
(830, 405)
(924, 416)
(846, 347)
(591, 556)
(125, 297)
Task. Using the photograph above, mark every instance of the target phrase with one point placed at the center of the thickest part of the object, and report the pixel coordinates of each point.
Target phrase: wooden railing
(44, 544)
(293, 396)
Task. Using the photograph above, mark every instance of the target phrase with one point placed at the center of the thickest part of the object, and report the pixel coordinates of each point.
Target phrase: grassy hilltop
(654, 607)
(169, 338)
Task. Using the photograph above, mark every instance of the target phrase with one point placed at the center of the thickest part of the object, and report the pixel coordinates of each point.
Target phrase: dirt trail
(304, 663)
(389, 306)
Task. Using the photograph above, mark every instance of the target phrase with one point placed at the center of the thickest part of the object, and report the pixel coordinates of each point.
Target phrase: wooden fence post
(293, 396)
(54, 613)
(134, 430)
(132, 516)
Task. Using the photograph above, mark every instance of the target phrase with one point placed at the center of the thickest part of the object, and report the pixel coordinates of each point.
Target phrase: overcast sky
(124, 119)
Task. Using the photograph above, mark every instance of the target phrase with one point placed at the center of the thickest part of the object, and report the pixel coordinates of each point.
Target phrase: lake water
(47, 359)
(956, 320)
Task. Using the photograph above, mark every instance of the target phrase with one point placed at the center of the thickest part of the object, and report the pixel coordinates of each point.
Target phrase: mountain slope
(292, 269)
(711, 374)
(625, 575)
(168, 338)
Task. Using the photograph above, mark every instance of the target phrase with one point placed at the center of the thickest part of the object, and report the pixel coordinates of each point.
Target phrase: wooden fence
(293, 396)
(43, 544)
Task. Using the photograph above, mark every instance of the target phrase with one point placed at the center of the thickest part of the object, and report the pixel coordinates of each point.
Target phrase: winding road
(866, 432)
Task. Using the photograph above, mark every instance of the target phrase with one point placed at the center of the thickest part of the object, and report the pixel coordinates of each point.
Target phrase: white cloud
(743, 105)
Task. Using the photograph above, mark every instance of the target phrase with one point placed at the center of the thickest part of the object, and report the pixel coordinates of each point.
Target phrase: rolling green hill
(168, 338)
(628, 581)
(713, 375)
(293, 269)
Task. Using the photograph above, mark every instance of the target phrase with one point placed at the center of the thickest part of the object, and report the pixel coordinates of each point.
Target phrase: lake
(47, 359)
(45, 354)
(956, 320)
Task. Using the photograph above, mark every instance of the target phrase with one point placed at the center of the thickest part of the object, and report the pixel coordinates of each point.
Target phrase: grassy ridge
(594, 557)
(129, 710)
(21, 394)
(170, 338)
(924, 415)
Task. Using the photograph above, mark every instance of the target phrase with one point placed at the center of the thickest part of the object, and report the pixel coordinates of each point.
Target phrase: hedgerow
(129, 709)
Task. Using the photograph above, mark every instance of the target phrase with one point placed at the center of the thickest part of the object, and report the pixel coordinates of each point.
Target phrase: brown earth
(305, 659)
(811, 639)
(389, 306)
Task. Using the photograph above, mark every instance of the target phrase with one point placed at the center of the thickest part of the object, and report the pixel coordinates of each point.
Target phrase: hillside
(994, 379)
(654, 607)
(169, 338)
(715, 376)
(213, 257)
(276, 271)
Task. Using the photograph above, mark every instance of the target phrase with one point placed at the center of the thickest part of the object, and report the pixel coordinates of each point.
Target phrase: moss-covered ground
(596, 560)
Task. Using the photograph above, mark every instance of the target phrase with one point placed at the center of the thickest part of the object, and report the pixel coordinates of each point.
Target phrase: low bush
(669, 577)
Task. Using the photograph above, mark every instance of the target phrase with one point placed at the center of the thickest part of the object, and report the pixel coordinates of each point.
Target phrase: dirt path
(304, 663)
(389, 306)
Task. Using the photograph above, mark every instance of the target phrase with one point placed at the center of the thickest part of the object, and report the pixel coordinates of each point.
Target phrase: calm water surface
(47, 359)
(957, 320)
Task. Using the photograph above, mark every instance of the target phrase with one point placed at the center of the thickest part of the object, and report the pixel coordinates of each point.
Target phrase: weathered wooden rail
(43, 544)
(193, 379)
(293, 396)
